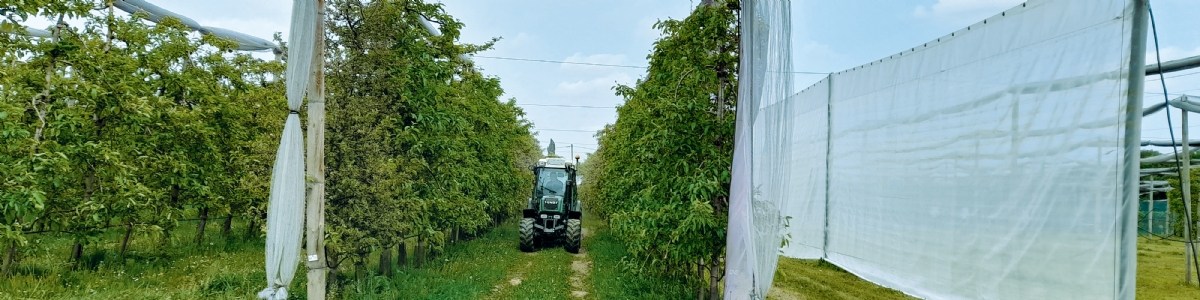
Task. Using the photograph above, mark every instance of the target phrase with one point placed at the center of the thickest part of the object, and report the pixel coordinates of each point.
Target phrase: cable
(564, 130)
(564, 105)
(1178, 166)
(601, 65)
(576, 144)
(559, 62)
(1186, 91)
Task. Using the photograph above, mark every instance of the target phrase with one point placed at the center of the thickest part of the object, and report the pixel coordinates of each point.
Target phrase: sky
(826, 36)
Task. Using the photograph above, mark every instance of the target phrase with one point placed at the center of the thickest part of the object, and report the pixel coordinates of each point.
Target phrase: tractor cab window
(552, 182)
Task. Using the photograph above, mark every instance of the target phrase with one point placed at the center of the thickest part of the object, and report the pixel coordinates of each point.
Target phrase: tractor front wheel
(527, 237)
(574, 235)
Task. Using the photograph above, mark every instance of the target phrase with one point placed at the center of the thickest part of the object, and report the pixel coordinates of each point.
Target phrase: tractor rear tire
(527, 235)
(574, 235)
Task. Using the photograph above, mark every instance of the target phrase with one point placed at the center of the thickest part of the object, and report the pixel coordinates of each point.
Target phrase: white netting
(285, 213)
(754, 215)
(998, 162)
(155, 14)
(806, 204)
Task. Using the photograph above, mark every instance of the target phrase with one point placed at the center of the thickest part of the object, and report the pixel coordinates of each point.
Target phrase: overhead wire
(559, 62)
(564, 130)
(599, 64)
(564, 105)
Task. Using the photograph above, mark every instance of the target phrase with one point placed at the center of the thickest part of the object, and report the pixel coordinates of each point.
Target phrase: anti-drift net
(988, 164)
(764, 79)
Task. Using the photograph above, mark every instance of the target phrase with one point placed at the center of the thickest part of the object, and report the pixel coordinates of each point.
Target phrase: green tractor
(553, 213)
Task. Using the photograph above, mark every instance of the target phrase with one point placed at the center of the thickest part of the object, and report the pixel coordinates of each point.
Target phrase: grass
(220, 268)
(612, 280)
(817, 279)
(488, 267)
(1159, 276)
(230, 267)
(1160, 271)
(468, 270)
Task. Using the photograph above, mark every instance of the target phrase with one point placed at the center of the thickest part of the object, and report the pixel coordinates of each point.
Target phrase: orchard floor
(486, 267)
(1159, 276)
(230, 267)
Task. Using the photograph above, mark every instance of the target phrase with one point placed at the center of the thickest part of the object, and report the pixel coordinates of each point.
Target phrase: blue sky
(827, 36)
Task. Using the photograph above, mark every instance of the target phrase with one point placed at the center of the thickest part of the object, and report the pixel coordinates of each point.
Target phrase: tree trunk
(714, 274)
(332, 262)
(200, 227)
(228, 226)
(125, 241)
(360, 267)
(166, 241)
(402, 254)
(331, 282)
(76, 255)
(166, 238)
(700, 276)
(10, 259)
(418, 255)
(385, 262)
(251, 227)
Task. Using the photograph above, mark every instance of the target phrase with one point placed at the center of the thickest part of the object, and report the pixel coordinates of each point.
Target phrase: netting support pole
(828, 154)
(1186, 181)
(1127, 208)
(1150, 213)
(315, 216)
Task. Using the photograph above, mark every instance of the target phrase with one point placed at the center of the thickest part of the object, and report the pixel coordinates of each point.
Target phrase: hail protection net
(764, 81)
(156, 14)
(285, 212)
(991, 163)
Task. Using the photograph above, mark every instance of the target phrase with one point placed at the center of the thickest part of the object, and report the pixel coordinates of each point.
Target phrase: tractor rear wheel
(574, 235)
(527, 237)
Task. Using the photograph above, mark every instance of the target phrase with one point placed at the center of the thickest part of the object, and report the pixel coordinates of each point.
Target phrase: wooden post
(315, 214)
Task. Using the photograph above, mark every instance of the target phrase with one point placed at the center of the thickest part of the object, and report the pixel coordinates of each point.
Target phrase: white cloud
(594, 86)
(963, 9)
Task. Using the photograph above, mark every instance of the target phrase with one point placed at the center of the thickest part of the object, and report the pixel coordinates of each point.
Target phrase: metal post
(1127, 203)
(1186, 181)
(315, 215)
(1150, 212)
(828, 162)
(1174, 65)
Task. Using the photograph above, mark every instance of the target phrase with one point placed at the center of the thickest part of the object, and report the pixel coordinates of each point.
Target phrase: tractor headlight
(556, 217)
(543, 216)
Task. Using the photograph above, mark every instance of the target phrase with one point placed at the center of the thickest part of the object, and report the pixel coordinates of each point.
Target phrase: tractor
(553, 212)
